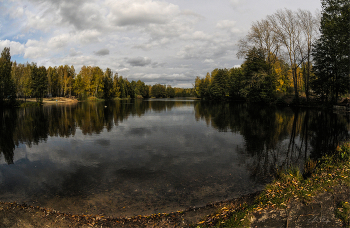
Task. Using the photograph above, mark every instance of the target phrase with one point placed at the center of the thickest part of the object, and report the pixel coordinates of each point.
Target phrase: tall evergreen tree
(331, 51)
(7, 87)
(39, 82)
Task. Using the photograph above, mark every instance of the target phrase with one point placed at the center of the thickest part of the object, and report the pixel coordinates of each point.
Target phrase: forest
(29, 80)
(287, 53)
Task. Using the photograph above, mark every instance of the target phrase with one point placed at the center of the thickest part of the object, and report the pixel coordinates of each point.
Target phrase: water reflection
(142, 157)
(277, 137)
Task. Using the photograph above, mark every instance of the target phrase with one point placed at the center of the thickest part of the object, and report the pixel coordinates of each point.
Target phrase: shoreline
(13, 214)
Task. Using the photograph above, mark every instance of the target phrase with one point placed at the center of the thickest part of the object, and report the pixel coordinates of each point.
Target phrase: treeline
(288, 53)
(29, 80)
(256, 80)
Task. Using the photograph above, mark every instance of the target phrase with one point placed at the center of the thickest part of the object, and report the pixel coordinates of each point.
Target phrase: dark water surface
(136, 157)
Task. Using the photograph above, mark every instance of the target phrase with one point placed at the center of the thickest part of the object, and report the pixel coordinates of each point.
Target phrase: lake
(140, 157)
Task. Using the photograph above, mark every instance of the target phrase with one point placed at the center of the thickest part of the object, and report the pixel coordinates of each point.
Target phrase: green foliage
(24, 80)
(255, 81)
(7, 86)
(331, 51)
(219, 86)
(170, 92)
(158, 91)
(108, 84)
(39, 81)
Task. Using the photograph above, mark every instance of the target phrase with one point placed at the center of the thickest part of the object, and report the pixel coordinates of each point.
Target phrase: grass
(343, 213)
(329, 171)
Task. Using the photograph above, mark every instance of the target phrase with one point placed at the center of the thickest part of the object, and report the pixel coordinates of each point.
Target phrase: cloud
(228, 25)
(236, 3)
(82, 14)
(197, 35)
(73, 52)
(208, 60)
(16, 48)
(123, 70)
(190, 52)
(156, 64)
(139, 61)
(35, 49)
(140, 12)
(88, 36)
(59, 41)
(102, 52)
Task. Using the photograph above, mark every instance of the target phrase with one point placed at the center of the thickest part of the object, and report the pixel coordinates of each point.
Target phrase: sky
(155, 41)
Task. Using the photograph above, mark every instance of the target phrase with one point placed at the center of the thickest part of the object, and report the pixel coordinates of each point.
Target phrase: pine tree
(7, 87)
(331, 51)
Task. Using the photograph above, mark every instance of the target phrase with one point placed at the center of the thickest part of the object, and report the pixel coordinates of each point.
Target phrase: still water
(134, 157)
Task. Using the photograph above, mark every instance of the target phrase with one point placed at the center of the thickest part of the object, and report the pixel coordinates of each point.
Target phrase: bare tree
(262, 37)
(287, 29)
(309, 26)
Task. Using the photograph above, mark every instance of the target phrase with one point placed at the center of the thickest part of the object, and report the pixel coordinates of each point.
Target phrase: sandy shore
(53, 100)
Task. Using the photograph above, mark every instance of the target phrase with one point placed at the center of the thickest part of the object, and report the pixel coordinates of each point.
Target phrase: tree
(259, 80)
(170, 92)
(97, 82)
(141, 89)
(158, 91)
(39, 81)
(116, 86)
(27, 81)
(7, 87)
(285, 25)
(108, 84)
(260, 36)
(331, 51)
(309, 26)
(219, 85)
(79, 88)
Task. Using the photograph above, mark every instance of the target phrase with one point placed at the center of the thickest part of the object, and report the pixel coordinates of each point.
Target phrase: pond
(140, 157)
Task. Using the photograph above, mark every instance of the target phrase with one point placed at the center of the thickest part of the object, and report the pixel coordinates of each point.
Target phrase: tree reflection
(276, 138)
(7, 127)
(32, 125)
(273, 137)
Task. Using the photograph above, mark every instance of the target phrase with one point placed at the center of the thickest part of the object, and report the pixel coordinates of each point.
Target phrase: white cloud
(16, 12)
(37, 21)
(208, 60)
(59, 41)
(197, 35)
(16, 48)
(35, 49)
(88, 36)
(228, 25)
(123, 70)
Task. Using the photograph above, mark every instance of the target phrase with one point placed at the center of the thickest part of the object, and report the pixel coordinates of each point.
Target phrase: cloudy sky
(156, 41)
